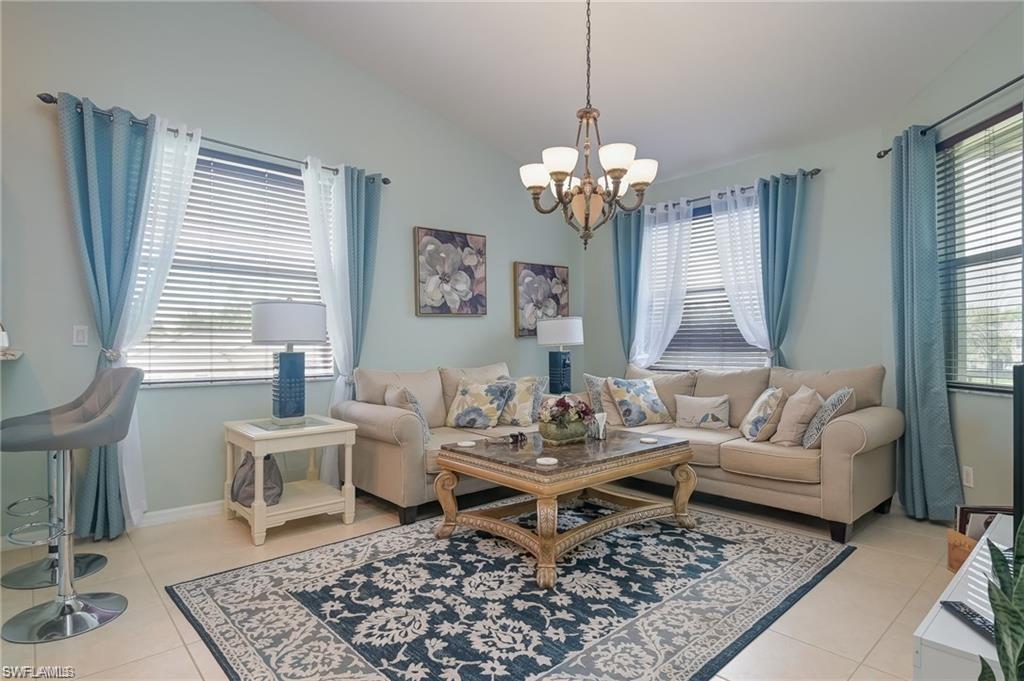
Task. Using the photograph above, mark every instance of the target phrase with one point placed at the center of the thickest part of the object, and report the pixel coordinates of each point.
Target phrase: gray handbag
(243, 487)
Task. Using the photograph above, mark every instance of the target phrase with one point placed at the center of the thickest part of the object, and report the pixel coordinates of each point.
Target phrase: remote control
(972, 617)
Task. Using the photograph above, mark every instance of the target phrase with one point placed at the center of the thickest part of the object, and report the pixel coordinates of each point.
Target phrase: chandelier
(587, 203)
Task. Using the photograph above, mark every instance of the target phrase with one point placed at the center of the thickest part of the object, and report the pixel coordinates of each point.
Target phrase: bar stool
(100, 416)
(42, 573)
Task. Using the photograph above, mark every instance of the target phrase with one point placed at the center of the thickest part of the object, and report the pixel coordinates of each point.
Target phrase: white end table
(299, 499)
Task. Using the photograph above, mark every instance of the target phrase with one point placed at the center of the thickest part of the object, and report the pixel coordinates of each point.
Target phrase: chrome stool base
(43, 573)
(58, 620)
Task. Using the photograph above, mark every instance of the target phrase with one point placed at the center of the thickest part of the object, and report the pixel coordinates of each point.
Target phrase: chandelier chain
(588, 54)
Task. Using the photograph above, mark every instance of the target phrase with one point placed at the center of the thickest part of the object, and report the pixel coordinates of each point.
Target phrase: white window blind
(708, 337)
(245, 237)
(978, 206)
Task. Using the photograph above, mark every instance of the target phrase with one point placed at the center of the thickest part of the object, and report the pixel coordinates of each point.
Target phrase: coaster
(466, 443)
(649, 440)
(546, 460)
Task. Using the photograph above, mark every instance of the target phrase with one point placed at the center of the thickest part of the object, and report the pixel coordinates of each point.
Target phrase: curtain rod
(885, 152)
(809, 173)
(48, 98)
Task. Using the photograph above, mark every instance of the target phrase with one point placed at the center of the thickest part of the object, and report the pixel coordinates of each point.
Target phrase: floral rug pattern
(646, 601)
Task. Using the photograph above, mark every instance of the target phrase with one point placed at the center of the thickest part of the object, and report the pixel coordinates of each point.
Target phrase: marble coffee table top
(620, 445)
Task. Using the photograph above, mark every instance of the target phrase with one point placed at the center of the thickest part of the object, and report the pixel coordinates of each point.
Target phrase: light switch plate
(968, 476)
(79, 335)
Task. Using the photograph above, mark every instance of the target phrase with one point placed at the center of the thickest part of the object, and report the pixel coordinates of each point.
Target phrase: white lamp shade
(560, 159)
(534, 175)
(617, 156)
(560, 331)
(567, 186)
(642, 170)
(604, 183)
(279, 322)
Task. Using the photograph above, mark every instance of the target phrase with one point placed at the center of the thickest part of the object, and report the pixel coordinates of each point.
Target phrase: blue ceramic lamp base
(289, 387)
(559, 372)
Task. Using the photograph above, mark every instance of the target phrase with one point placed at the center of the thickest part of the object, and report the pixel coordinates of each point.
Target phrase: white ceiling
(692, 84)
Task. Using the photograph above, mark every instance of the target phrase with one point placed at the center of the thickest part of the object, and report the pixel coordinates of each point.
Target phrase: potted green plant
(564, 420)
(1006, 595)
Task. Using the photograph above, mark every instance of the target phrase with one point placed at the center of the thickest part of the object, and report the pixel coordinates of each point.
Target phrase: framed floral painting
(451, 273)
(541, 291)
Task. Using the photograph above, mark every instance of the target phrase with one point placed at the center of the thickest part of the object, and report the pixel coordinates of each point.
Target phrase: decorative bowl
(555, 435)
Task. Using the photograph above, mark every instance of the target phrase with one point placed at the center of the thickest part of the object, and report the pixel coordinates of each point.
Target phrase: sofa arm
(862, 431)
(380, 422)
(858, 462)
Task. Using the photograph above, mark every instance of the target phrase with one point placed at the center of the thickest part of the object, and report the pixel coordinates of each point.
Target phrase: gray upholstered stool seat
(101, 416)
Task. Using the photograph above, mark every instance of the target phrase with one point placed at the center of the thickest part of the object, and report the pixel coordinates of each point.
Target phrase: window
(245, 237)
(708, 336)
(978, 205)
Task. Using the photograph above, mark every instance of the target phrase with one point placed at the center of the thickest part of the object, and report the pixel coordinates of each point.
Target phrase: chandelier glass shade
(586, 201)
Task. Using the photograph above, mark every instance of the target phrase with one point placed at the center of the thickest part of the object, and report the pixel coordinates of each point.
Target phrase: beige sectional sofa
(852, 473)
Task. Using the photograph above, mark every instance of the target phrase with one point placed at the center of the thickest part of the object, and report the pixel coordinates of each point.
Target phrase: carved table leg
(547, 530)
(444, 487)
(686, 482)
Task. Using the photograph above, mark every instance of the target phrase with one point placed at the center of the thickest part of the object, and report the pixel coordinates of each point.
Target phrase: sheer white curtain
(738, 236)
(172, 166)
(661, 288)
(328, 230)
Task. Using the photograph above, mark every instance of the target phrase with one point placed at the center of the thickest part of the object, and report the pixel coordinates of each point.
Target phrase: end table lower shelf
(299, 499)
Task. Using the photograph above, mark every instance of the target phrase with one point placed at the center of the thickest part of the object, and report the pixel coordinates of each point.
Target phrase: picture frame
(540, 292)
(451, 273)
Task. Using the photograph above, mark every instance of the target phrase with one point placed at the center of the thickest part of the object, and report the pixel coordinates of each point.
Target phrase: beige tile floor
(856, 624)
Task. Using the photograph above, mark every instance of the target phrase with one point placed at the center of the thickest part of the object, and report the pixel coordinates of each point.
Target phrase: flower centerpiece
(564, 420)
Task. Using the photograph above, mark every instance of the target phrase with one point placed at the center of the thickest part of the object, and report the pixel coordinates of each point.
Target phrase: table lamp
(286, 322)
(560, 331)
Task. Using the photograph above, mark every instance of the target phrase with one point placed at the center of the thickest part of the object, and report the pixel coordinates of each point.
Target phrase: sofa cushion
(866, 382)
(766, 460)
(702, 412)
(451, 377)
(501, 431)
(478, 405)
(401, 397)
(797, 413)
(444, 436)
(644, 430)
(762, 420)
(637, 401)
(704, 442)
(741, 385)
(839, 403)
(425, 385)
(667, 383)
(600, 399)
(524, 405)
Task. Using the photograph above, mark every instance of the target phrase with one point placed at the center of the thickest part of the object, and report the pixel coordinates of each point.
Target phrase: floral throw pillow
(523, 406)
(842, 401)
(702, 412)
(637, 401)
(762, 420)
(478, 405)
(401, 397)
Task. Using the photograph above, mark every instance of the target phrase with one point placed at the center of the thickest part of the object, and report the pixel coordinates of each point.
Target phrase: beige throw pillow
(702, 412)
(797, 413)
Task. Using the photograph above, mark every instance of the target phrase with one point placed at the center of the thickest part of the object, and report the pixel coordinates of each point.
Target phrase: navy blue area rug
(647, 601)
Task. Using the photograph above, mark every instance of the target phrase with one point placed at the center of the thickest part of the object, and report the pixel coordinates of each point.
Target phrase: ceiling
(694, 85)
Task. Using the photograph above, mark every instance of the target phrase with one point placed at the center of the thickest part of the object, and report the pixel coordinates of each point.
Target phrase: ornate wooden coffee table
(579, 471)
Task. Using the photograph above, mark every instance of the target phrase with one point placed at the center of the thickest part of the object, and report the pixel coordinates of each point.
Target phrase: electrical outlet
(79, 335)
(968, 476)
